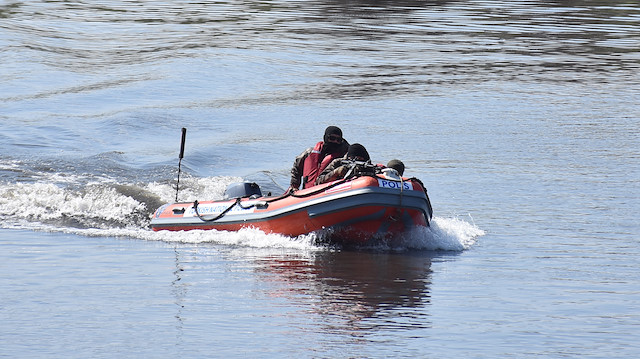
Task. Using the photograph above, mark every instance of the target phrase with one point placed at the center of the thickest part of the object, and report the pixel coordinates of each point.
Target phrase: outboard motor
(242, 189)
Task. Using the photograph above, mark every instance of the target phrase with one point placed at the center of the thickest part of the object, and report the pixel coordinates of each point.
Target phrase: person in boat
(337, 169)
(396, 165)
(312, 161)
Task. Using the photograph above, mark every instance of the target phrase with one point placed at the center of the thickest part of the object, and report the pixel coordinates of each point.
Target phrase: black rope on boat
(425, 193)
(283, 196)
(195, 207)
(238, 203)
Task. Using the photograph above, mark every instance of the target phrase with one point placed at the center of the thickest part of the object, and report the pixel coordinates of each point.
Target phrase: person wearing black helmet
(396, 165)
(337, 169)
(312, 161)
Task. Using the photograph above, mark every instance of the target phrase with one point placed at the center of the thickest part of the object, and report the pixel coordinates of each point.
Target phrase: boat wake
(99, 206)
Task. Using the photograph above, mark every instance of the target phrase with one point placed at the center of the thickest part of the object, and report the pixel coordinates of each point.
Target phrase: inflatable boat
(370, 203)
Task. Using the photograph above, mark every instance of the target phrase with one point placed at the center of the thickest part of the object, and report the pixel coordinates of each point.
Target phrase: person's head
(333, 134)
(396, 165)
(358, 152)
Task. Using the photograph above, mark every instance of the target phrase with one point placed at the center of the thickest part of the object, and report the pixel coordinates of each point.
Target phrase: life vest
(314, 164)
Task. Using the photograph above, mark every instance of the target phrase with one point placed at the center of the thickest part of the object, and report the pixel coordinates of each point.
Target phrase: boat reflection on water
(355, 291)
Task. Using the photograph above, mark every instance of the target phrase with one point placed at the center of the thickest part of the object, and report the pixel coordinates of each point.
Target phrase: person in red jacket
(312, 161)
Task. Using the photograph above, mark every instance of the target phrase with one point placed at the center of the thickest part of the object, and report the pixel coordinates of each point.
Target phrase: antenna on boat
(184, 136)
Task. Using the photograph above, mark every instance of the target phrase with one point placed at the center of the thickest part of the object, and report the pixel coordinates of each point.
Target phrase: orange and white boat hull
(353, 211)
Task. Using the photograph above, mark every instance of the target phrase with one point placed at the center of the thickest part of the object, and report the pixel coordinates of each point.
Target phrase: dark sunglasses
(334, 139)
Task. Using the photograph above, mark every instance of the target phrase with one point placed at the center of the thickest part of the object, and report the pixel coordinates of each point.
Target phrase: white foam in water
(46, 201)
(100, 209)
(451, 234)
(248, 237)
(444, 234)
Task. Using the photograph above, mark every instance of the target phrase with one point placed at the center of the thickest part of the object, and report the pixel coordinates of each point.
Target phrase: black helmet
(332, 131)
(358, 150)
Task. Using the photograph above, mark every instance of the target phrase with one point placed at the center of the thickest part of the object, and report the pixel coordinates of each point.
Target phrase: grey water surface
(522, 118)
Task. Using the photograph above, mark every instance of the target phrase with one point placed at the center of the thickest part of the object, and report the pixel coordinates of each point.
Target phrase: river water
(521, 118)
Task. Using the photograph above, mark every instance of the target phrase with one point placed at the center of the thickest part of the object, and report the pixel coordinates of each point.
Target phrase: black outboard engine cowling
(242, 189)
